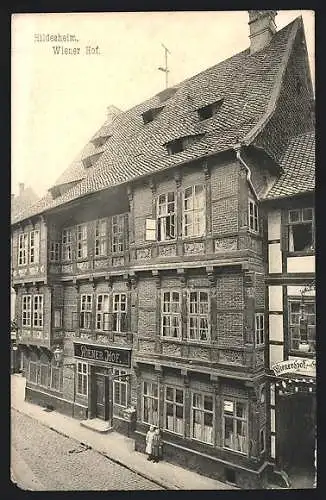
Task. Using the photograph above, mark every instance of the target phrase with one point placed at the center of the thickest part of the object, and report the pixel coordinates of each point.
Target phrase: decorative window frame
(203, 410)
(170, 314)
(194, 207)
(175, 404)
(198, 315)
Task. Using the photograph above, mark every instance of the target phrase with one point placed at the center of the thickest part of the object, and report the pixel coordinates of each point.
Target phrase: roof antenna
(165, 70)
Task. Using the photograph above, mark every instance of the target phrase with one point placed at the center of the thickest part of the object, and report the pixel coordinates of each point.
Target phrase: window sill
(202, 442)
(176, 433)
(243, 453)
(302, 253)
(302, 354)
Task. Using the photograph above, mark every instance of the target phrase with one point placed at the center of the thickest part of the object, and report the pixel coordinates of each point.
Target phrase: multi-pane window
(166, 217)
(82, 379)
(174, 410)
(100, 238)
(54, 251)
(253, 216)
(44, 375)
(102, 312)
(194, 211)
(198, 324)
(34, 247)
(67, 244)
(119, 312)
(202, 417)
(26, 310)
(150, 403)
(259, 329)
(81, 241)
(301, 230)
(171, 314)
(22, 249)
(33, 372)
(38, 311)
(150, 230)
(85, 311)
(118, 233)
(120, 388)
(58, 318)
(56, 378)
(235, 425)
(302, 323)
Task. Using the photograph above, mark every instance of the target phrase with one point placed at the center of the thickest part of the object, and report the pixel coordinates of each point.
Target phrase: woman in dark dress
(157, 445)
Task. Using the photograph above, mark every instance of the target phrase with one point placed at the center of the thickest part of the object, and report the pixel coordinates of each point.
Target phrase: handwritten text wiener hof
(58, 43)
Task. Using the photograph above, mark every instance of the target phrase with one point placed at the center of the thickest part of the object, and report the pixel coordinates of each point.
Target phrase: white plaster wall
(305, 264)
(274, 258)
(275, 298)
(276, 327)
(274, 225)
(275, 354)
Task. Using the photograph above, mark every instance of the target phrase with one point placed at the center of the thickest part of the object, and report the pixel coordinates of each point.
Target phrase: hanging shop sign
(302, 366)
(112, 355)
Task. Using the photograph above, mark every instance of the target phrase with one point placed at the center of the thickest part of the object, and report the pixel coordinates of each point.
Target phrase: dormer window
(182, 143)
(100, 141)
(91, 160)
(209, 110)
(149, 115)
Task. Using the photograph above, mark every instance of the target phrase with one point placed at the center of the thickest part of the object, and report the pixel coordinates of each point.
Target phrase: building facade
(140, 278)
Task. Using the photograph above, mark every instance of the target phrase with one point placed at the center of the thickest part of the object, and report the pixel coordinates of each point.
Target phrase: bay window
(120, 312)
(38, 311)
(118, 233)
(54, 251)
(194, 211)
(235, 417)
(166, 217)
(100, 238)
(34, 247)
(85, 311)
(202, 417)
(198, 321)
(26, 310)
(22, 249)
(82, 241)
(102, 312)
(67, 244)
(259, 329)
(174, 410)
(171, 314)
(253, 216)
(150, 403)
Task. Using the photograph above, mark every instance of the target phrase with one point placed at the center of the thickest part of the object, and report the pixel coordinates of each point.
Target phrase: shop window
(166, 217)
(85, 311)
(44, 375)
(54, 251)
(202, 417)
(120, 388)
(38, 311)
(67, 244)
(259, 329)
(26, 310)
(235, 426)
(301, 230)
(253, 216)
(118, 233)
(56, 378)
(198, 322)
(58, 318)
(82, 388)
(34, 247)
(194, 211)
(150, 403)
(33, 371)
(100, 238)
(171, 314)
(102, 312)
(81, 241)
(174, 410)
(302, 325)
(120, 312)
(22, 249)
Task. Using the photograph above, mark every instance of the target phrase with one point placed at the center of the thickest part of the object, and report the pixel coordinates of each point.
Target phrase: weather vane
(165, 69)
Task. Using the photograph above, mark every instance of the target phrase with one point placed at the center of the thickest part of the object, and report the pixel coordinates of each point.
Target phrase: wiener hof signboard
(112, 355)
(301, 366)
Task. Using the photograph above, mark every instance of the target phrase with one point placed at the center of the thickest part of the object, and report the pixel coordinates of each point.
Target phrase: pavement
(113, 445)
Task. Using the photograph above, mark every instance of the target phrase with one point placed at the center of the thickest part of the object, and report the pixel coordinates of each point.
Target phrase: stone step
(97, 425)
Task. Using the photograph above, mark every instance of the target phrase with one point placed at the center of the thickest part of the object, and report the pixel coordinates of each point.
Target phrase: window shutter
(150, 230)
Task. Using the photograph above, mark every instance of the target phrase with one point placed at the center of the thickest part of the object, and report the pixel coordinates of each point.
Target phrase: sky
(59, 100)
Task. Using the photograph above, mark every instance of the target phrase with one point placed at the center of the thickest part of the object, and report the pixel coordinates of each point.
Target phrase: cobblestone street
(42, 459)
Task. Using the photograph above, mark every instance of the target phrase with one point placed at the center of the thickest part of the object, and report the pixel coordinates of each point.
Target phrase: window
(44, 375)
(54, 251)
(100, 238)
(26, 310)
(38, 311)
(262, 439)
(118, 233)
(102, 312)
(120, 388)
(34, 247)
(22, 249)
(120, 312)
(202, 417)
(82, 241)
(301, 230)
(178, 145)
(148, 116)
(174, 412)
(253, 216)
(33, 371)
(198, 323)
(166, 218)
(235, 426)
(67, 244)
(171, 314)
(259, 329)
(85, 311)
(209, 110)
(302, 329)
(56, 378)
(150, 230)
(194, 211)
(57, 318)
(150, 403)
(82, 379)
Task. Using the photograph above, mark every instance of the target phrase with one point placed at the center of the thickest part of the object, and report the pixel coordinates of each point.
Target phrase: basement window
(209, 110)
(301, 230)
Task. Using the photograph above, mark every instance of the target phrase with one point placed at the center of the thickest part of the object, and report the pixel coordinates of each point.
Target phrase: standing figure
(157, 445)
(149, 442)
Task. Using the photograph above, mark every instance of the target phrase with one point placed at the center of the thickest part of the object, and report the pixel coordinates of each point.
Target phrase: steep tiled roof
(22, 203)
(298, 164)
(246, 82)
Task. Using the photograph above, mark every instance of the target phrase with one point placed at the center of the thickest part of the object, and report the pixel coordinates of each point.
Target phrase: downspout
(237, 149)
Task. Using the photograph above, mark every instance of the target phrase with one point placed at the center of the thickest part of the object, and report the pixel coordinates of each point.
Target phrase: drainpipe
(237, 150)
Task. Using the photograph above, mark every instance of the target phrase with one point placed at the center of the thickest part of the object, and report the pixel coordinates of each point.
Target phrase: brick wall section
(260, 290)
(147, 307)
(69, 305)
(224, 189)
(142, 210)
(229, 295)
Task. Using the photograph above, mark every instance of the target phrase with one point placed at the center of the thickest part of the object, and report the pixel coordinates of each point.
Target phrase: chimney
(262, 28)
(21, 188)
(112, 112)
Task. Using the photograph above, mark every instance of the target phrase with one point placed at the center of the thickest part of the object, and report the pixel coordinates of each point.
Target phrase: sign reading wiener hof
(112, 355)
(300, 366)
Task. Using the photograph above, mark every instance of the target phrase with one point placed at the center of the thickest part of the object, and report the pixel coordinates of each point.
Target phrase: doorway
(101, 401)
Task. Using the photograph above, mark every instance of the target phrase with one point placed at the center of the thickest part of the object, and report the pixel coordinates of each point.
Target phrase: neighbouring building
(142, 276)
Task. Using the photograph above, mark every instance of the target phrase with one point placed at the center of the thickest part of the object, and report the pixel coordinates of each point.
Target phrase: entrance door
(101, 396)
